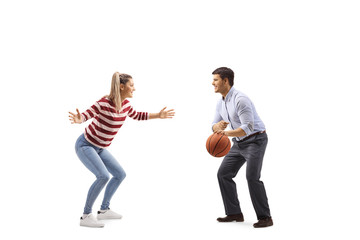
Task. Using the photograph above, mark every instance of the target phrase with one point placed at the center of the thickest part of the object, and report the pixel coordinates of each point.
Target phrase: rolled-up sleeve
(217, 117)
(245, 113)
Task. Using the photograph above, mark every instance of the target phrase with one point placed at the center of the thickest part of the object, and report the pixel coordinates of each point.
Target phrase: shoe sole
(92, 226)
(264, 226)
(231, 221)
(108, 218)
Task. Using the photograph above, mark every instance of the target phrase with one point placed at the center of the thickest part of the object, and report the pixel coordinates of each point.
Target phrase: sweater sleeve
(138, 115)
(92, 112)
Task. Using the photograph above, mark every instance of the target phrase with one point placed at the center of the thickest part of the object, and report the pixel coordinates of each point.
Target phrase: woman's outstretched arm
(162, 114)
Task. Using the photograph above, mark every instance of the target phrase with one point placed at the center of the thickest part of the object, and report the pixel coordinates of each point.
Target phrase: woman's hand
(75, 118)
(166, 114)
(162, 114)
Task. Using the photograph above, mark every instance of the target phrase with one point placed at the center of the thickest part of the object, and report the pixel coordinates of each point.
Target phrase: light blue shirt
(238, 110)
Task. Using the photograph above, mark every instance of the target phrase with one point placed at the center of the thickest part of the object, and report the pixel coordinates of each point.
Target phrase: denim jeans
(101, 163)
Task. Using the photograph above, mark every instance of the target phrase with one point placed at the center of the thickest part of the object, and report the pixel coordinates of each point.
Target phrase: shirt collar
(229, 95)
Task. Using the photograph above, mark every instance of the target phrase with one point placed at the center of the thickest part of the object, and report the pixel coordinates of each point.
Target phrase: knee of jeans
(103, 176)
(121, 176)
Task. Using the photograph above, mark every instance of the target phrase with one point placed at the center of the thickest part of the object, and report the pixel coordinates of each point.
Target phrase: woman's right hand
(75, 118)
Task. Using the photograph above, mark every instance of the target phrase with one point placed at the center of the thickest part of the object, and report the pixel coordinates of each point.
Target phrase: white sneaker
(108, 214)
(90, 221)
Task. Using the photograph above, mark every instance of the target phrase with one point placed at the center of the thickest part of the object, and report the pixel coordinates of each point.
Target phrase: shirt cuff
(83, 118)
(248, 128)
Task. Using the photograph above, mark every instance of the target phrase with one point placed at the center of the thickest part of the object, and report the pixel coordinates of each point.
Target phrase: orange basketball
(218, 145)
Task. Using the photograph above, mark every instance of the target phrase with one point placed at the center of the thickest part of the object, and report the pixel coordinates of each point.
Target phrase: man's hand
(220, 126)
(222, 132)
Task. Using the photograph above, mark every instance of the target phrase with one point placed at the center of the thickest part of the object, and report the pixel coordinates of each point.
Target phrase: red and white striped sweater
(107, 121)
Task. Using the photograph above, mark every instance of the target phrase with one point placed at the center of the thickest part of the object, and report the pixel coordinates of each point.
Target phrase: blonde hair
(115, 95)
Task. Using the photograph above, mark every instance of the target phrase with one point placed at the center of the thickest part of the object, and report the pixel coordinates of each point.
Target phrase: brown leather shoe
(231, 218)
(265, 222)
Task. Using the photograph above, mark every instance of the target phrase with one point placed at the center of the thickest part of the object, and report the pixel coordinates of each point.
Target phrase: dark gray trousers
(251, 151)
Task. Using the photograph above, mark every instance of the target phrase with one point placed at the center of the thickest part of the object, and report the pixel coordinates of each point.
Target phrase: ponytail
(115, 95)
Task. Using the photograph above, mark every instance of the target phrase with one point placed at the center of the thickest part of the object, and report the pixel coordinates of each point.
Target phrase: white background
(297, 60)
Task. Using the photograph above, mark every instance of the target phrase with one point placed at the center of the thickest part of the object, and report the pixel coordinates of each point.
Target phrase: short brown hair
(225, 72)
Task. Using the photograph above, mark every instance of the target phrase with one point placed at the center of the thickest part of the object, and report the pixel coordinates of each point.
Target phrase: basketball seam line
(210, 141)
(217, 144)
(224, 149)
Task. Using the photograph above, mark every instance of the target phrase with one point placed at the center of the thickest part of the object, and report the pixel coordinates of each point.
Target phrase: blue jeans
(101, 163)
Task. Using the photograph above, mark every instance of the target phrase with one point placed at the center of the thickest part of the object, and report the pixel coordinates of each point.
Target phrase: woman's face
(127, 89)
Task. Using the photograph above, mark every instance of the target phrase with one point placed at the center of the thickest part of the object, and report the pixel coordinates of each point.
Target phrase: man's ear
(226, 80)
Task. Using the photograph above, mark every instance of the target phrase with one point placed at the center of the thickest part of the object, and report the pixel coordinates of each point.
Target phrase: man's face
(218, 83)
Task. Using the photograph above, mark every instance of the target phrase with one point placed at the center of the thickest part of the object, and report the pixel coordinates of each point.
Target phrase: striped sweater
(107, 121)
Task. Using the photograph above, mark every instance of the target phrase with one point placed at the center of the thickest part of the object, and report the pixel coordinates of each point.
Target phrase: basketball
(218, 145)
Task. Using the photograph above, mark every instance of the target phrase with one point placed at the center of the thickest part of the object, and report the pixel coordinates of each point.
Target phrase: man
(250, 139)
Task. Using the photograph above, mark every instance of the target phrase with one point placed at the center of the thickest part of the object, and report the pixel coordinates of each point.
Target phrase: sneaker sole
(83, 225)
(108, 218)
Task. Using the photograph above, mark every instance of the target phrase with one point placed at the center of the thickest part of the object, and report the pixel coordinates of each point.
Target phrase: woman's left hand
(166, 113)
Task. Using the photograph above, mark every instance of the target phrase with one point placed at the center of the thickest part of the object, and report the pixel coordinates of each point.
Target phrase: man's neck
(226, 92)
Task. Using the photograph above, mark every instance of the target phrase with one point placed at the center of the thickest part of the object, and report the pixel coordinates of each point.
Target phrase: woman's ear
(122, 86)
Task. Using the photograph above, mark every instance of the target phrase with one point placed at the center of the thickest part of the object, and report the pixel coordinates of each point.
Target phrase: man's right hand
(220, 126)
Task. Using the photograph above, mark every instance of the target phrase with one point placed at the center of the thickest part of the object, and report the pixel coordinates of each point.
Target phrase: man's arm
(218, 123)
(246, 117)
(239, 132)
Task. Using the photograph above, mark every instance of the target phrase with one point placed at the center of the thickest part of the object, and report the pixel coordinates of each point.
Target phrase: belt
(254, 134)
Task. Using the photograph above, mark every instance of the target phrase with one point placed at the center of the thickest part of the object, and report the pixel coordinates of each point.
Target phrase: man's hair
(225, 72)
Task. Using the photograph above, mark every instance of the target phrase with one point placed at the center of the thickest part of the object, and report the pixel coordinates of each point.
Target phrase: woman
(109, 114)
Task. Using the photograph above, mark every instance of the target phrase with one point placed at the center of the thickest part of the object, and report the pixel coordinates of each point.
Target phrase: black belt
(254, 134)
